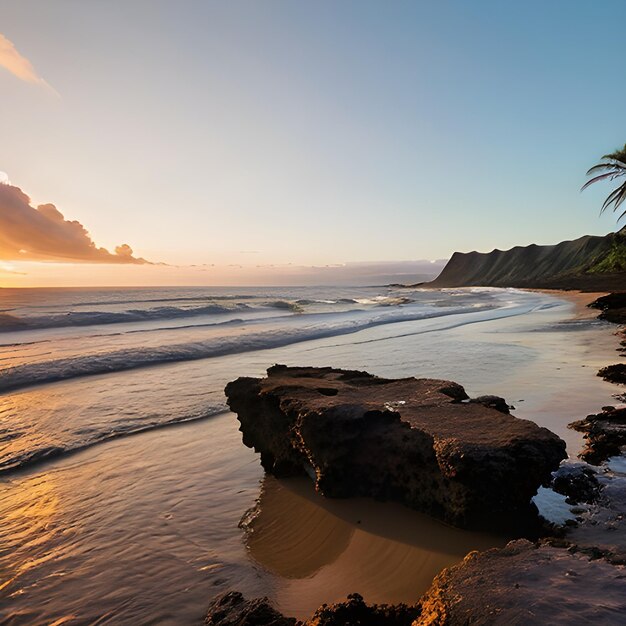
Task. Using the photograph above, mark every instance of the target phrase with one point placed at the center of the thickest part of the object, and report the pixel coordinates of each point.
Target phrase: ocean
(123, 479)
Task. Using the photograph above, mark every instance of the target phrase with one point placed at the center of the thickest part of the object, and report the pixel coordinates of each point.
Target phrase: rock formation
(523, 583)
(232, 609)
(417, 441)
(605, 434)
(615, 374)
(613, 307)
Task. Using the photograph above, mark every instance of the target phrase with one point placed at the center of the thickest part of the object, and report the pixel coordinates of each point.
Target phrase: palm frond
(612, 197)
(608, 175)
(620, 198)
(606, 166)
(612, 166)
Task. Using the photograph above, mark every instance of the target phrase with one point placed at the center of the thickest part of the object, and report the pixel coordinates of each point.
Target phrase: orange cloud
(18, 65)
(43, 234)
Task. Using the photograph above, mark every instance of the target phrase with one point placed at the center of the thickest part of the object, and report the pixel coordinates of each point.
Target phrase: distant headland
(589, 263)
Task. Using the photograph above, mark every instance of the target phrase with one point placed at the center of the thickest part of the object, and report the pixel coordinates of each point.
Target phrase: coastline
(580, 299)
(551, 552)
(511, 356)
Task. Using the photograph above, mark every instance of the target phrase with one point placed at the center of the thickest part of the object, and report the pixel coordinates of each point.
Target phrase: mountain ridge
(589, 263)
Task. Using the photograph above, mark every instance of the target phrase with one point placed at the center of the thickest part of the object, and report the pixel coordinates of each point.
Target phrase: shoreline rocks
(232, 609)
(578, 482)
(604, 433)
(421, 442)
(613, 307)
(526, 583)
(615, 374)
(522, 583)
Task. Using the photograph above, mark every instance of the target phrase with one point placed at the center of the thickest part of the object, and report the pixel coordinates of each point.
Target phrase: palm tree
(613, 166)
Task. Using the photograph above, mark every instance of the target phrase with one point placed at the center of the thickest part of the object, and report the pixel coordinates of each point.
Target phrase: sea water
(123, 479)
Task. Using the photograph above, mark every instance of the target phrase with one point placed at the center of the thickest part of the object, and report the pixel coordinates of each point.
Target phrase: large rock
(526, 584)
(417, 441)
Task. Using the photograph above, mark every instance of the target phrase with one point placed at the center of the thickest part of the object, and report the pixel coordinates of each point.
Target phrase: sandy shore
(581, 300)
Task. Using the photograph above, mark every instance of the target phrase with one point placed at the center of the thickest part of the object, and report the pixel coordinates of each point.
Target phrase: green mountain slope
(589, 263)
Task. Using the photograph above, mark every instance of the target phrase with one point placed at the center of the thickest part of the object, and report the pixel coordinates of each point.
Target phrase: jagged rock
(605, 434)
(356, 611)
(614, 373)
(602, 530)
(232, 609)
(578, 482)
(613, 307)
(417, 441)
(523, 583)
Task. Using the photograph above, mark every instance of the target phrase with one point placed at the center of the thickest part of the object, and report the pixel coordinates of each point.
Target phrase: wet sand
(324, 549)
(580, 299)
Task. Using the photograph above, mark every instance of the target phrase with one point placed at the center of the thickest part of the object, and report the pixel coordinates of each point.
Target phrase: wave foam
(95, 318)
(25, 458)
(127, 359)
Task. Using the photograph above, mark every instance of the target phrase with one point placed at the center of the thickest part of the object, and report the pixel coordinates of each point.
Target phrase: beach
(136, 513)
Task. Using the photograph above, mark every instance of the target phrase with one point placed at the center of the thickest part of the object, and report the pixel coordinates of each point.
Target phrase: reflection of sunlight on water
(30, 516)
(128, 530)
(49, 420)
(17, 435)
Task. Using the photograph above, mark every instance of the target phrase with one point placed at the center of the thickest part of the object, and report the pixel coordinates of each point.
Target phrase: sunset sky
(238, 141)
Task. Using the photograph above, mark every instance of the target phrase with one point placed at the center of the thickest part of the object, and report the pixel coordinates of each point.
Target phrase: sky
(199, 142)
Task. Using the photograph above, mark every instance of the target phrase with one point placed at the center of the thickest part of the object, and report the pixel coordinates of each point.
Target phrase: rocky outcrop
(601, 530)
(613, 307)
(578, 482)
(355, 611)
(417, 441)
(605, 434)
(232, 609)
(589, 263)
(614, 373)
(526, 584)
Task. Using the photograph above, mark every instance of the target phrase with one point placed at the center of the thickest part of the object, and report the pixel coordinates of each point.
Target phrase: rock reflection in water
(325, 548)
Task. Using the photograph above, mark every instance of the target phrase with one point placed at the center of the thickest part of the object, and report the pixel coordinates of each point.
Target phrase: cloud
(29, 233)
(18, 65)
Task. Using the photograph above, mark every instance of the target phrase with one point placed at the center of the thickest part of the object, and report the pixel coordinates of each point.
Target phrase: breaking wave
(10, 322)
(127, 359)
